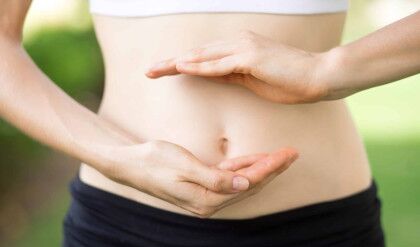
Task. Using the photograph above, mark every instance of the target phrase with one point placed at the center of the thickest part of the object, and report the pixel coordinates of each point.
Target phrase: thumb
(218, 180)
(237, 163)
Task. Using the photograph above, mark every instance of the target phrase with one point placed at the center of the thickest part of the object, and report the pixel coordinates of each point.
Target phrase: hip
(98, 217)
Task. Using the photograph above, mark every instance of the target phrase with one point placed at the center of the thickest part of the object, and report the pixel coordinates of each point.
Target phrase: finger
(223, 200)
(240, 162)
(288, 155)
(235, 78)
(165, 67)
(274, 163)
(217, 180)
(219, 67)
(229, 199)
(209, 52)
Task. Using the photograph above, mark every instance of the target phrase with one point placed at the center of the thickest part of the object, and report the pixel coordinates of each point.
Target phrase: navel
(223, 145)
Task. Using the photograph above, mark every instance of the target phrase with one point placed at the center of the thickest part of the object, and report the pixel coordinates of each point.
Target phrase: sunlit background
(59, 37)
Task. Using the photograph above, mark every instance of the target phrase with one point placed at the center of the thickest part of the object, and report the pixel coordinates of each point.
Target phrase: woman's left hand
(272, 70)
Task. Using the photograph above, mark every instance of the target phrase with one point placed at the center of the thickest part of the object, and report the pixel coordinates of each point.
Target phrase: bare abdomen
(218, 121)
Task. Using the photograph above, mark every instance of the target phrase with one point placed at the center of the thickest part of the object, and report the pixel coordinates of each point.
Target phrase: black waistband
(325, 222)
(83, 191)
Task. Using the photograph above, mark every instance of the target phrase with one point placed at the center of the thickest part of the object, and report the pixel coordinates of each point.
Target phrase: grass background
(388, 118)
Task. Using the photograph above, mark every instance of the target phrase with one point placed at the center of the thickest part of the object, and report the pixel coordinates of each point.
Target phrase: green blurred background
(60, 39)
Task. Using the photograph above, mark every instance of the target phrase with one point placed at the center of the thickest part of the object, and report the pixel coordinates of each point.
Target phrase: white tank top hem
(144, 8)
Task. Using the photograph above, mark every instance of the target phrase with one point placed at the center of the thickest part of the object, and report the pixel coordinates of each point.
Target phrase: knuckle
(204, 205)
(217, 183)
(246, 64)
(206, 199)
(188, 171)
(211, 201)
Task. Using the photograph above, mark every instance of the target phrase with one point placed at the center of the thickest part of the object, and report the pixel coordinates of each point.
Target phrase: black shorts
(101, 219)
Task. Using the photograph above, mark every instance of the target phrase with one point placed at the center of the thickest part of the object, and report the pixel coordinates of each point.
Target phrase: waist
(349, 221)
(216, 122)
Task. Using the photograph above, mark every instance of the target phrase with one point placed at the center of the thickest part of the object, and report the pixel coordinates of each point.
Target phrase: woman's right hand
(172, 173)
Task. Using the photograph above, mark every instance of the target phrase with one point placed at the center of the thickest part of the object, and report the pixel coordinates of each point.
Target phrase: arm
(387, 55)
(33, 103)
(289, 75)
(30, 101)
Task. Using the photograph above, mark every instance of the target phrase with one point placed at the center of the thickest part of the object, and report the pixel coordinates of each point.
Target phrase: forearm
(387, 55)
(30, 101)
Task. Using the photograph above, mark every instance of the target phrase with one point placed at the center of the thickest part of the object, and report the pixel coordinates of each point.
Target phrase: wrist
(117, 162)
(334, 73)
(103, 155)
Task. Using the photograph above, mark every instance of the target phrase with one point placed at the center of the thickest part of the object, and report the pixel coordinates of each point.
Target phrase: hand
(272, 70)
(170, 172)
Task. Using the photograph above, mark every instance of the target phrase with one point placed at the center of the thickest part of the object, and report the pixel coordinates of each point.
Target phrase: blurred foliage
(396, 168)
(71, 58)
(15, 152)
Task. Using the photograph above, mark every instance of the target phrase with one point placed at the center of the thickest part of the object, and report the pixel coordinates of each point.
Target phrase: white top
(139, 8)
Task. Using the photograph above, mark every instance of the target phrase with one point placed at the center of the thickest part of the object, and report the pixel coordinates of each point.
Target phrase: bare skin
(30, 101)
(263, 65)
(285, 74)
(178, 142)
(217, 121)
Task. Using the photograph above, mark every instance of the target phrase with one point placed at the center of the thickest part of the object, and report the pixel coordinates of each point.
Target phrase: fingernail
(240, 183)
(149, 73)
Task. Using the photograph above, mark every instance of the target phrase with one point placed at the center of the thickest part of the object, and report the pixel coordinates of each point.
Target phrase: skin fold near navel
(217, 121)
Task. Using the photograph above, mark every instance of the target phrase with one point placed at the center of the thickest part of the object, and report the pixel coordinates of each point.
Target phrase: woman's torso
(219, 121)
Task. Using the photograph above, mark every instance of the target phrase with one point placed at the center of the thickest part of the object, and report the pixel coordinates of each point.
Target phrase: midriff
(218, 121)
